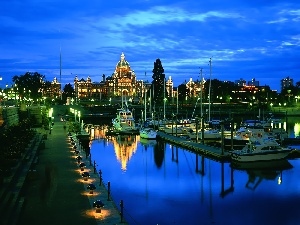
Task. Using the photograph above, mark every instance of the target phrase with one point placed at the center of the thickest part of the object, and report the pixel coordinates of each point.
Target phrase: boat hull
(148, 134)
(260, 156)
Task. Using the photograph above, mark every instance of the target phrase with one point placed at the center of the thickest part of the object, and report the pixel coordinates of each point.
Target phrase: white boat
(243, 134)
(124, 122)
(148, 133)
(180, 127)
(260, 149)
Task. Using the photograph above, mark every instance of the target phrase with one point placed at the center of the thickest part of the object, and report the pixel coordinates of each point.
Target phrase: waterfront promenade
(56, 193)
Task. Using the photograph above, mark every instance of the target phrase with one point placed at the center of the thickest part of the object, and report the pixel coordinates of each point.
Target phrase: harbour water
(162, 184)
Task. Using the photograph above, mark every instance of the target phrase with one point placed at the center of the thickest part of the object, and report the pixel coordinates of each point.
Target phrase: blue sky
(245, 39)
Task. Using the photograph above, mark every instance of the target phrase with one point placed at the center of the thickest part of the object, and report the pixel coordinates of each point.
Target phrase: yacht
(259, 149)
(148, 133)
(124, 122)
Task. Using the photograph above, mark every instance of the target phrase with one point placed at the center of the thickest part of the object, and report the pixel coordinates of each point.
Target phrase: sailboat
(147, 132)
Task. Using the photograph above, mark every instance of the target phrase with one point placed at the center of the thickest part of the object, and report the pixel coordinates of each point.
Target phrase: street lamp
(79, 114)
(165, 99)
(296, 98)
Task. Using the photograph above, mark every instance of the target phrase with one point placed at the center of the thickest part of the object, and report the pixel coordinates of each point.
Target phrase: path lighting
(50, 112)
(91, 187)
(75, 113)
(85, 175)
(109, 101)
(271, 104)
(165, 99)
(79, 115)
(98, 204)
(82, 166)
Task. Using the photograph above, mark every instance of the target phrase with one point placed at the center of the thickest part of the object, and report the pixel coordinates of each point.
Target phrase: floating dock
(215, 153)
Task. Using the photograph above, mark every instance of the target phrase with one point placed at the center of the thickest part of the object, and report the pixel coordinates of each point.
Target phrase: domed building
(122, 82)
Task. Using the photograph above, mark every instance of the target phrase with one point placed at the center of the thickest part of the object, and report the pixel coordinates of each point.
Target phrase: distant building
(193, 88)
(241, 82)
(286, 82)
(169, 87)
(122, 82)
(253, 82)
(53, 90)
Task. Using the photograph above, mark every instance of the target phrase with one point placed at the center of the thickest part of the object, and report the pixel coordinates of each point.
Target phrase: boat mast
(60, 72)
(164, 99)
(150, 102)
(122, 99)
(209, 89)
(201, 79)
(177, 102)
(145, 104)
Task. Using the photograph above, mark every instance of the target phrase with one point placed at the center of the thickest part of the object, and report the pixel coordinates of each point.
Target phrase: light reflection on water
(162, 184)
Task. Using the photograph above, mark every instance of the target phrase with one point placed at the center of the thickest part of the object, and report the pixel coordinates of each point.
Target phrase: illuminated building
(286, 82)
(253, 82)
(122, 82)
(53, 89)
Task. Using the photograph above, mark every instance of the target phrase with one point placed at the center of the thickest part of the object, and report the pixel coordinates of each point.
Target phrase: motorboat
(148, 133)
(242, 136)
(124, 122)
(259, 149)
(173, 128)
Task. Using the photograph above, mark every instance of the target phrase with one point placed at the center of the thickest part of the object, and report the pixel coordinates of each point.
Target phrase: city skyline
(248, 40)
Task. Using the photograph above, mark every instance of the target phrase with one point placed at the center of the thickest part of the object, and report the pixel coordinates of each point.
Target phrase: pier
(215, 153)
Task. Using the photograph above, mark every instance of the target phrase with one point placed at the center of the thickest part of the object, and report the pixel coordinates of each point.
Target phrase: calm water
(162, 184)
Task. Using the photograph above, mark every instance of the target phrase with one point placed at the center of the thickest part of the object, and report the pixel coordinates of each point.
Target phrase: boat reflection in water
(255, 177)
(147, 142)
(160, 183)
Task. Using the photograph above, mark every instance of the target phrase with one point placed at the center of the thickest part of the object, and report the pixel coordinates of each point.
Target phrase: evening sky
(248, 39)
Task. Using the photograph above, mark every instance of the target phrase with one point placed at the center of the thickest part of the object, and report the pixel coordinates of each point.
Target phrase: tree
(29, 85)
(69, 90)
(182, 93)
(158, 83)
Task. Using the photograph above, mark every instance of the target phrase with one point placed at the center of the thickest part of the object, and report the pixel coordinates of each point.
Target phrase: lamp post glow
(79, 116)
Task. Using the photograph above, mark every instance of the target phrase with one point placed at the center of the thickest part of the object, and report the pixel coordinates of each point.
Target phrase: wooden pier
(215, 153)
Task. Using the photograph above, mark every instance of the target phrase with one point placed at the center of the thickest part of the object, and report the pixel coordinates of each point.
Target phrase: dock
(211, 152)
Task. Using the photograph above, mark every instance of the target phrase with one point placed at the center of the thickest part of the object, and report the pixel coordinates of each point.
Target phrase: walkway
(57, 194)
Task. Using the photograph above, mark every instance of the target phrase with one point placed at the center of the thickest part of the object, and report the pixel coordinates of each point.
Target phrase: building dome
(123, 63)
